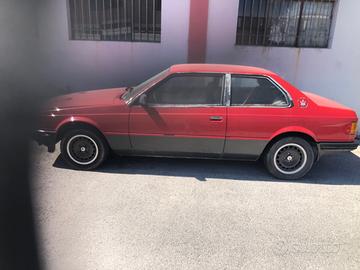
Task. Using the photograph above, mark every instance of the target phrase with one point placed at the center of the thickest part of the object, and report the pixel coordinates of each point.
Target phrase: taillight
(352, 129)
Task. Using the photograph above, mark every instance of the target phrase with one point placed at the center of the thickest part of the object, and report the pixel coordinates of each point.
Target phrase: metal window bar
(299, 23)
(320, 25)
(251, 20)
(270, 22)
(125, 21)
(243, 21)
(117, 20)
(296, 20)
(139, 22)
(258, 22)
(103, 33)
(111, 20)
(265, 21)
(318, 21)
(312, 19)
(147, 19)
(90, 20)
(281, 21)
(97, 33)
(290, 23)
(154, 19)
(72, 19)
(132, 20)
(82, 19)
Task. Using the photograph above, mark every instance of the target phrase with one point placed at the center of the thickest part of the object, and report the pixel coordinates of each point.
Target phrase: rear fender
(297, 129)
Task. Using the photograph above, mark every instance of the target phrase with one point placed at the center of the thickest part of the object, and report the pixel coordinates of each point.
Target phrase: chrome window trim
(222, 74)
(289, 100)
(184, 106)
(227, 89)
(131, 99)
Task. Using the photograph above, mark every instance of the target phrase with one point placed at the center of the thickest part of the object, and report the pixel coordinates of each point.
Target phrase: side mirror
(142, 100)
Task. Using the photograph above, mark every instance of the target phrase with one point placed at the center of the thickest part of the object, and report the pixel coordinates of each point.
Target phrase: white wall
(332, 73)
(79, 65)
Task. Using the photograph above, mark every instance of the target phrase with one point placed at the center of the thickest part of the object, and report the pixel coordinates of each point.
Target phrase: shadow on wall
(338, 169)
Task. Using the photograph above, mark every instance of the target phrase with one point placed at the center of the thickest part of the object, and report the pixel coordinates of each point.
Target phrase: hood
(85, 99)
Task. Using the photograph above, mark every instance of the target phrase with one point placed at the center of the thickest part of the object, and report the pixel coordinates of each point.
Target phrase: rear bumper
(46, 138)
(337, 146)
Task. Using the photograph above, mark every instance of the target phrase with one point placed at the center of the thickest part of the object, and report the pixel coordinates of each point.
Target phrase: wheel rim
(290, 158)
(82, 149)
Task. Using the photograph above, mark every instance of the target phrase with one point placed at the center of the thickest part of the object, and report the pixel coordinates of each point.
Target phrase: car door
(258, 108)
(183, 114)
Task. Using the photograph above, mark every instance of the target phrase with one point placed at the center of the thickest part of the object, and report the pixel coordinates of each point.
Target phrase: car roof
(219, 68)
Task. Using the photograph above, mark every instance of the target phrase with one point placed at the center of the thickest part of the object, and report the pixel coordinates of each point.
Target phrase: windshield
(134, 91)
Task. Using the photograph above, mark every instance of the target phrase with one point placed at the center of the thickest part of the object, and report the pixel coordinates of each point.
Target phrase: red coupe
(201, 110)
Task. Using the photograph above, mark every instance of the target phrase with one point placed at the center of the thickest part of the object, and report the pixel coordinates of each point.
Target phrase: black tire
(290, 158)
(84, 149)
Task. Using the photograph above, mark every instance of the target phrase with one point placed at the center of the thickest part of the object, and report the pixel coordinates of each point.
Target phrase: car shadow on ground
(335, 169)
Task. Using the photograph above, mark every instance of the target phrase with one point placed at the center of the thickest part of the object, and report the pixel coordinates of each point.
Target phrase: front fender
(76, 119)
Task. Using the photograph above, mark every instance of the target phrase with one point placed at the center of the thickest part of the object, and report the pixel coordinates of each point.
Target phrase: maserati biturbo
(202, 111)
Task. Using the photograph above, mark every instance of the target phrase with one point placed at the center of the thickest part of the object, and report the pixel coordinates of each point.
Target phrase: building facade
(330, 72)
(90, 44)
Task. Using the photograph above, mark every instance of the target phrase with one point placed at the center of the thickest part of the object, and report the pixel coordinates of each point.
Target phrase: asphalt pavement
(158, 213)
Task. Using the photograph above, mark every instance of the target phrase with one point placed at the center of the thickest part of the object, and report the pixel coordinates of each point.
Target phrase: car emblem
(303, 102)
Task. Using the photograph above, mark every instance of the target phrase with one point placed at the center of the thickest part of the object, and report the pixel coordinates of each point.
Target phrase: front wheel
(84, 149)
(290, 158)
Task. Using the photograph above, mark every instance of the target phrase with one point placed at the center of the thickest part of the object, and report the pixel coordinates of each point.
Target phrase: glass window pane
(122, 20)
(283, 26)
(188, 90)
(255, 91)
(291, 23)
(315, 24)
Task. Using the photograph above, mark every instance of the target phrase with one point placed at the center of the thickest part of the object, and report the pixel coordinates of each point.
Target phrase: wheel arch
(301, 133)
(73, 123)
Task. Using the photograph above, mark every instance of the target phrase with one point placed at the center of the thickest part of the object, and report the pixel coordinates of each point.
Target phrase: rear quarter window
(256, 91)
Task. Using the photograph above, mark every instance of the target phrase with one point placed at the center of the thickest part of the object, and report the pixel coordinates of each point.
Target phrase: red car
(201, 110)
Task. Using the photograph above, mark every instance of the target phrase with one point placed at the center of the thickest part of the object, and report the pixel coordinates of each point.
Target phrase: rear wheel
(290, 158)
(84, 149)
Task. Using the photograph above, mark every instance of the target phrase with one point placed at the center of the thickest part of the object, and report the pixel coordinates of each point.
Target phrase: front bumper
(46, 138)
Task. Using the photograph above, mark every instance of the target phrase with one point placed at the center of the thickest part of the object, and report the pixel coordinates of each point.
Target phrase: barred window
(115, 20)
(289, 23)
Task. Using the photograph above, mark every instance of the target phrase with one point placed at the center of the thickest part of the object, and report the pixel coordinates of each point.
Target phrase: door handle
(216, 118)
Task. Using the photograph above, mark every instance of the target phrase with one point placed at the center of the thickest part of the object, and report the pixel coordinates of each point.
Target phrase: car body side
(244, 133)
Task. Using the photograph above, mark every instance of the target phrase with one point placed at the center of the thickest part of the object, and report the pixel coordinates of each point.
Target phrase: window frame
(181, 74)
(71, 35)
(329, 38)
(289, 101)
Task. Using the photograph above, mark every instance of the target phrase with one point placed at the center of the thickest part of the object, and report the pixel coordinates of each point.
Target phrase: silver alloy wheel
(290, 158)
(88, 148)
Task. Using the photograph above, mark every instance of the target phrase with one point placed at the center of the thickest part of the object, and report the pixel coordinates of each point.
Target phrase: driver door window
(191, 89)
